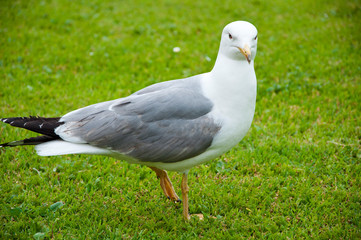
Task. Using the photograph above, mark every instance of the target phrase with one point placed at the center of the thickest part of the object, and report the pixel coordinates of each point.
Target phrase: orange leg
(185, 190)
(166, 184)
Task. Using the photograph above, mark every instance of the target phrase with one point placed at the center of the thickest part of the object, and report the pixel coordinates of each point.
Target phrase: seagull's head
(239, 41)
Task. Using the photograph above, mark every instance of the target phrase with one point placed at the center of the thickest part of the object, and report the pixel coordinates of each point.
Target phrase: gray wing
(165, 122)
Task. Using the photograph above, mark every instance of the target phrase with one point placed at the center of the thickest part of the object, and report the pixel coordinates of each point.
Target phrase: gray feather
(165, 122)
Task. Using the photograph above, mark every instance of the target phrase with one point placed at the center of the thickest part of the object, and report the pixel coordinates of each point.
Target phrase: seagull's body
(173, 125)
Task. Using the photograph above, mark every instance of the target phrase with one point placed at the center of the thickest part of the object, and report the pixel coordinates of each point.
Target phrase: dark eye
(255, 38)
(230, 36)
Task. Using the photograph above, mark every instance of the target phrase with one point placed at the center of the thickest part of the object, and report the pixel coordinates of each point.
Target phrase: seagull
(169, 126)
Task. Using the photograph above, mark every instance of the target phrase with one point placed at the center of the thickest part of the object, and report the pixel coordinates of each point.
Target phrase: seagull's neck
(233, 76)
(232, 68)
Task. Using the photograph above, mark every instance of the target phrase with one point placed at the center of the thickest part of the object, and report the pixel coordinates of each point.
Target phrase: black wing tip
(42, 125)
(29, 118)
(29, 141)
(10, 119)
(12, 144)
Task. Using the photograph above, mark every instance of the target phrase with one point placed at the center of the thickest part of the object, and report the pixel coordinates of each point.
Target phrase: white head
(239, 41)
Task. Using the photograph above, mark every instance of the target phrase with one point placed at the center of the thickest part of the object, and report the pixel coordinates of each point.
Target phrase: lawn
(296, 175)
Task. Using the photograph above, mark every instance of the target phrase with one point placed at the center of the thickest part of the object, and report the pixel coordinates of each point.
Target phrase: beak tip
(246, 52)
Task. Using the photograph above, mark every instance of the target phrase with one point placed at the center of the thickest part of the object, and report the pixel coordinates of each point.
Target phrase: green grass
(296, 175)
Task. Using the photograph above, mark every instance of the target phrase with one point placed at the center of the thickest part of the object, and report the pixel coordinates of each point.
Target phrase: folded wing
(166, 122)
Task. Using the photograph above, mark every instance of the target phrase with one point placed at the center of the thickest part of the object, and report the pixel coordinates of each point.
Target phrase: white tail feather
(59, 147)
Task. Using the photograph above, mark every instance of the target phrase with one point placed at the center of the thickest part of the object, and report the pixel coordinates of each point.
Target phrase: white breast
(234, 106)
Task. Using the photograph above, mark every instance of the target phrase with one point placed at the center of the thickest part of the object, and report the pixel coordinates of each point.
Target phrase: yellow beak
(246, 51)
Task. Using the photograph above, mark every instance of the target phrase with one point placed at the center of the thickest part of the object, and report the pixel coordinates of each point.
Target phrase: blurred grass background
(296, 175)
